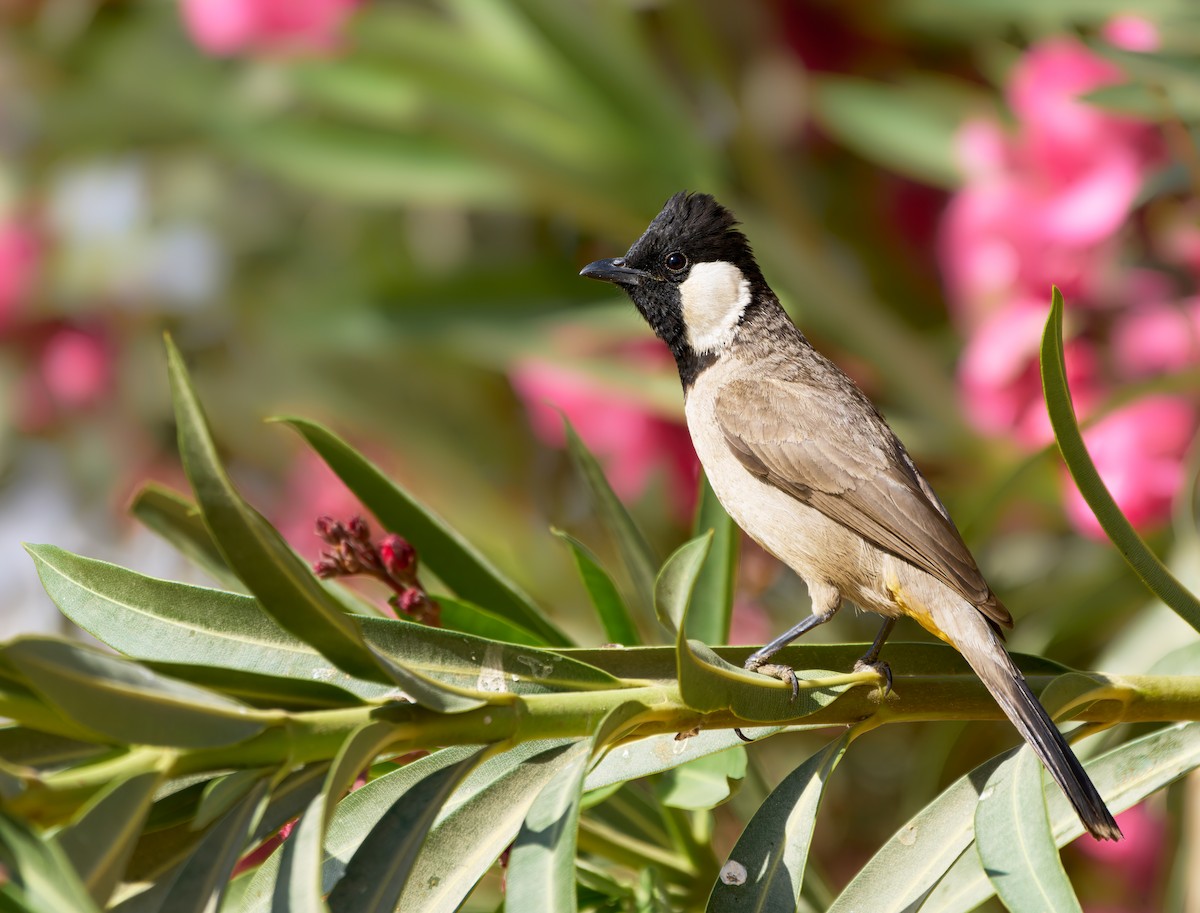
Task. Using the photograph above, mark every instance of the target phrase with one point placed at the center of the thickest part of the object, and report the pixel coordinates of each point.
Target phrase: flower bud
(398, 556)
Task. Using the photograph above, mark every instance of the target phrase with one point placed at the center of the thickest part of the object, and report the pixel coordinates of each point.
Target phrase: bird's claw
(880, 668)
(776, 670)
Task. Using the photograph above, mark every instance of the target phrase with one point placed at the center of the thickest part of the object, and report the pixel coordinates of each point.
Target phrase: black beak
(614, 271)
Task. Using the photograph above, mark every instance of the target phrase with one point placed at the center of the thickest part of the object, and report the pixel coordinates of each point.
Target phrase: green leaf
(352, 820)
(440, 547)
(906, 869)
(283, 584)
(180, 522)
(765, 870)
(541, 866)
(31, 748)
(657, 753)
(481, 820)
(298, 887)
(1160, 581)
(906, 127)
(1016, 846)
(213, 631)
(101, 840)
(711, 609)
(1124, 776)
(702, 783)
(619, 627)
(636, 555)
(170, 622)
(207, 870)
(270, 692)
(460, 615)
(128, 702)
(487, 666)
(373, 166)
(708, 684)
(378, 872)
(41, 870)
(675, 582)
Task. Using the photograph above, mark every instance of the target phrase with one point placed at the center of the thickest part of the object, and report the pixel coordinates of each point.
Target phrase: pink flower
(1000, 380)
(18, 267)
(1132, 33)
(76, 368)
(632, 442)
(1041, 206)
(1139, 453)
(229, 26)
(1158, 337)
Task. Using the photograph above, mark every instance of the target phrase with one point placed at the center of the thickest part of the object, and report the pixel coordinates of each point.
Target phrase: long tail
(985, 653)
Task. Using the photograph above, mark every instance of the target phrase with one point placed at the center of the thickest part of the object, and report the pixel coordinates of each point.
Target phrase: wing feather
(842, 459)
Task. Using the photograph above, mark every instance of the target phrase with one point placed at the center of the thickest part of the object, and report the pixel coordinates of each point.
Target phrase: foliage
(138, 781)
(381, 230)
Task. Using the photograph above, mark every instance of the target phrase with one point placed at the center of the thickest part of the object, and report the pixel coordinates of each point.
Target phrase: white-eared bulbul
(807, 466)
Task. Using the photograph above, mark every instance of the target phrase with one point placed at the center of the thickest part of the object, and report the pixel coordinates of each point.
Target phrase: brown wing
(845, 462)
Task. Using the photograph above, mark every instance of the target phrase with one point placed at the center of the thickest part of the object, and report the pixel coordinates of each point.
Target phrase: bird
(806, 465)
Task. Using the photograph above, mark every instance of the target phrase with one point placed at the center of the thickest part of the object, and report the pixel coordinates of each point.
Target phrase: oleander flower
(230, 26)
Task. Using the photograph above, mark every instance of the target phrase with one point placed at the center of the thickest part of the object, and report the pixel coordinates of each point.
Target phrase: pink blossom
(18, 267)
(1041, 205)
(312, 490)
(631, 442)
(1158, 337)
(1139, 453)
(230, 26)
(1000, 380)
(76, 368)
(1132, 33)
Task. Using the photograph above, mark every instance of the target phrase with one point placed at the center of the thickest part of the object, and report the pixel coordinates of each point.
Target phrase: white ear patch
(714, 297)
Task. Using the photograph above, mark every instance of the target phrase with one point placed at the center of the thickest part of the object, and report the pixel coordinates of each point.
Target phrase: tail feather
(987, 656)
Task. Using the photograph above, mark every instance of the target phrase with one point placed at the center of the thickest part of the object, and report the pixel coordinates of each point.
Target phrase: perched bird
(806, 465)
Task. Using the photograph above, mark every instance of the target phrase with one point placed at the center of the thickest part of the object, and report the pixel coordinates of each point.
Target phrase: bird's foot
(776, 670)
(880, 668)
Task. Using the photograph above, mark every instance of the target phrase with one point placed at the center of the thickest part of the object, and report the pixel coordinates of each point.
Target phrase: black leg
(758, 657)
(870, 659)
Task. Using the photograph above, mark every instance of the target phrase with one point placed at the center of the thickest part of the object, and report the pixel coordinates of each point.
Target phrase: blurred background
(372, 213)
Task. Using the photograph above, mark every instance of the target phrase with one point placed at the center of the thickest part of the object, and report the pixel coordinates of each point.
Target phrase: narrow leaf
(657, 753)
(128, 702)
(461, 615)
(161, 620)
(765, 871)
(298, 888)
(446, 553)
(206, 873)
(541, 866)
(41, 870)
(280, 580)
(377, 873)
(1124, 776)
(619, 627)
(708, 683)
(101, 840)
(703, 783)
(636, 555)
(711, 608)
(478, 824)
(180, 522)
(906, 869)
(675, 582)
(1160, 581)
(1016, 846)
(352, 820)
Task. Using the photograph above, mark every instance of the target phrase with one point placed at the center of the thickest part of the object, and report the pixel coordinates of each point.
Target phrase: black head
(693, 277)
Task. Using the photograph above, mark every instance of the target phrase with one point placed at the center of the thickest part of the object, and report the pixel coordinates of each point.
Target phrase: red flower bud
(358, 530)
(398, 556)
(326, 567)
(330, 530)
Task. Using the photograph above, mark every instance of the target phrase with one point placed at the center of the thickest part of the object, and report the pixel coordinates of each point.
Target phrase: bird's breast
(815, 547)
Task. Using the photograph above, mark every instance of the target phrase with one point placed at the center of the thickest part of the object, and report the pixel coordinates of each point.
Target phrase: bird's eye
(676, 261)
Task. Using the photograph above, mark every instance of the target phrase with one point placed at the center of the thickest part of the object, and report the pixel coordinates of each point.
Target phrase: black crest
(698, 225)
